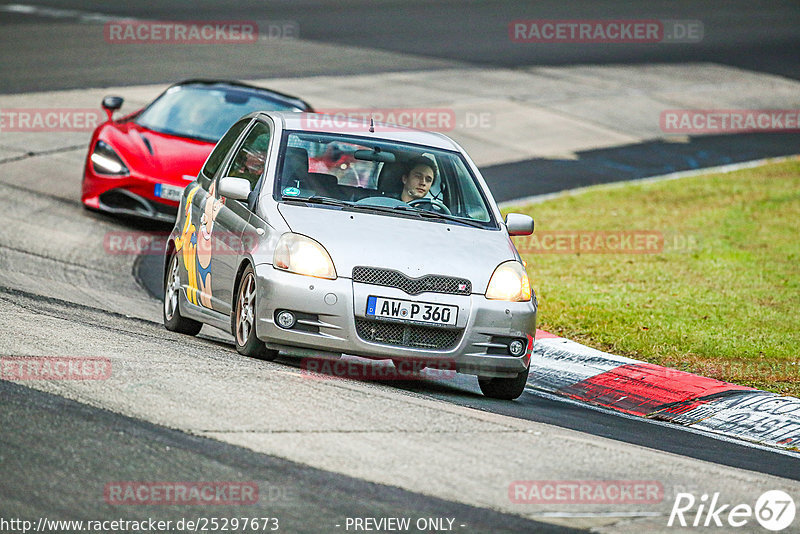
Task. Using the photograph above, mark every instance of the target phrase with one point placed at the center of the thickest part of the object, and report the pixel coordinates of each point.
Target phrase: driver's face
(417, 183)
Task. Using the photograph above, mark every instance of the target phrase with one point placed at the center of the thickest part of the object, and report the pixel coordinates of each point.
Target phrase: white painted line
(81, 16)
(597, 514)
(538, 199)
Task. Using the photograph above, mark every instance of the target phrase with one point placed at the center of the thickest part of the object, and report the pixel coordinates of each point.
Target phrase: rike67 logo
(774, 510)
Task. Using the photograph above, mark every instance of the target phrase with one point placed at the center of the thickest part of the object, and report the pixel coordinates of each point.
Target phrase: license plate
(406, 310)
(168, 192)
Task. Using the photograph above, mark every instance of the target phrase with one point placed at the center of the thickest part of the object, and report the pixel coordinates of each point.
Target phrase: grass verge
(701, 274)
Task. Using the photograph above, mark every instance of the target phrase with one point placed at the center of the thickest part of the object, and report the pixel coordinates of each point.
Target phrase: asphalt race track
(96, 439)
(322, 450)
(630, 162)
(758, 36)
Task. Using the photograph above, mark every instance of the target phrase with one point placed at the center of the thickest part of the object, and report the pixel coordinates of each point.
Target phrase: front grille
(123, 200)
(433, 283)
(406, 335)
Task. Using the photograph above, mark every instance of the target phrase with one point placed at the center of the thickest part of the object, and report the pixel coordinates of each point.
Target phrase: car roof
(233, 84)
(321, 123)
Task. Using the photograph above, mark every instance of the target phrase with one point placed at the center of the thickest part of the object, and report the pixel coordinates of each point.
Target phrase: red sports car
(139, 164)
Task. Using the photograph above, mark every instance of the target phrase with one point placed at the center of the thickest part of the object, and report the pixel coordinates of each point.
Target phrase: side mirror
(235, 188)
(112, 104)
(518, 224)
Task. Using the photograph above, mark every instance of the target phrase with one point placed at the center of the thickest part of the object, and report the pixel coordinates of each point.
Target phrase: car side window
(218, 155)
(250, 159)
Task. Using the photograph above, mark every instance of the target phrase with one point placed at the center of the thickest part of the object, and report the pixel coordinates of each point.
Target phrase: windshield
(383, 175)
(204, 111)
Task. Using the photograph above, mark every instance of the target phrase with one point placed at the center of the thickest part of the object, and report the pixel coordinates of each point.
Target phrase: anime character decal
(196, 246)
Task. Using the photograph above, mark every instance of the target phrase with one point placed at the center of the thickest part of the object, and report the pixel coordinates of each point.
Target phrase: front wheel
(244, 324)
(173, 320)
(504, 388)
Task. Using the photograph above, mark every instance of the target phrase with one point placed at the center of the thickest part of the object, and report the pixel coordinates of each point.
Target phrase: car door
(229, 218)
(194, 246)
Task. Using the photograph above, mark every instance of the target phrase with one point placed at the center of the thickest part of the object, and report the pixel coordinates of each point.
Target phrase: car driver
(418, 179)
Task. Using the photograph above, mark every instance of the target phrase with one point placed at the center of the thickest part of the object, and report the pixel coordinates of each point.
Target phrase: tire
(171, 310)
(244, 320)
(504, 388)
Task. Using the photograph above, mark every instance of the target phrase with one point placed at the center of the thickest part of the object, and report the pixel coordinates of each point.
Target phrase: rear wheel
(244, 323)
(504, 388)
(173, 320)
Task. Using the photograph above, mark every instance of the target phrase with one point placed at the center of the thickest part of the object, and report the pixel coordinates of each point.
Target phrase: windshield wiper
(320, 200)
(437, 215)
(352, 205)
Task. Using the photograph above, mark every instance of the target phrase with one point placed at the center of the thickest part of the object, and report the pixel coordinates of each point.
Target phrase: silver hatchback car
(312, 235)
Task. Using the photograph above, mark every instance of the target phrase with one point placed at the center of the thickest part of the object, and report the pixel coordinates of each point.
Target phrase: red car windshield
(205, 112)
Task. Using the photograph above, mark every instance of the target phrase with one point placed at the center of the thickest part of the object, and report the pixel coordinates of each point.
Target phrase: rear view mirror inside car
(375, 155)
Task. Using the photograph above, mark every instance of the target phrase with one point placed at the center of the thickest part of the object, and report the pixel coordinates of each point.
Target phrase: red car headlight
(106, 161)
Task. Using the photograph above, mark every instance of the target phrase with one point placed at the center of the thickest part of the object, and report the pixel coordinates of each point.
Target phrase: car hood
(412, 246)
(165, 158)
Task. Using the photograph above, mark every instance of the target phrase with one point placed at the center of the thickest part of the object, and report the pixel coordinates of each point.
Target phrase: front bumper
(332, 320)
(127, 195)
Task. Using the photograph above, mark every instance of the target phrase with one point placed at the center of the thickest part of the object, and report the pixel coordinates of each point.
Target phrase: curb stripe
(642, 388)
(541, 334)
(753, 415)
(637, 388)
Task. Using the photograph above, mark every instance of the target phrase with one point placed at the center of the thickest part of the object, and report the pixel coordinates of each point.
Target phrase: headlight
(106, 161)
(509, 282)
(302, 255)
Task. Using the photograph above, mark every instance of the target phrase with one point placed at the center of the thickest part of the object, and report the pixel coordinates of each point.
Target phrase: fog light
(286, 319)
(516, 347)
